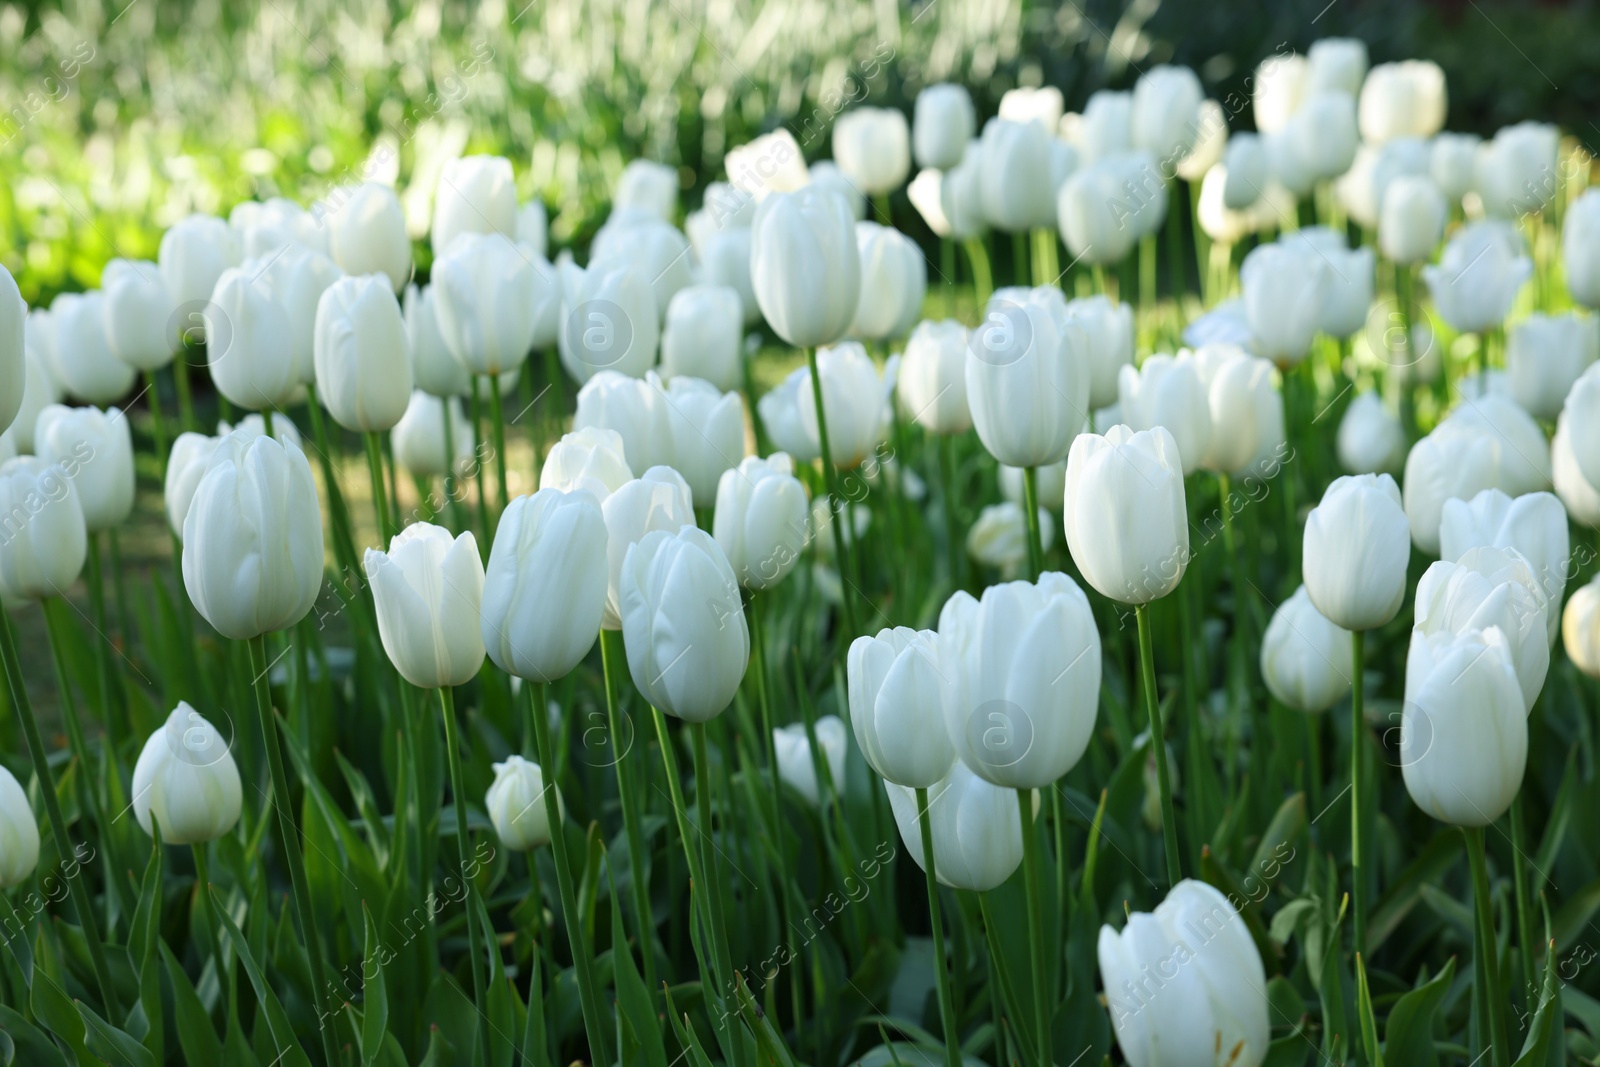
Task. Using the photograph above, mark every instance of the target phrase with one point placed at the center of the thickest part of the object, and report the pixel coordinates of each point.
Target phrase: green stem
(1485, 944)
(109, 711)
(380, 506)
(613, 660)
(287, 833)
(594, 1024)
(880, 201)
(158, 424)
(451, 495)
(1098, 270)
(758, 649)
(1519, 881)
(1158, 744)
(497, 421)
(180, 380)
(1030, 505)
(89, 778)
(1021, 251)
(956, 543)
(1358, 791)
(266, 423)
(841, 536)
(982, 276)
(947, 1005)
(1402, 297)
(208, 918)
(81, 901)
(458, 790)
(1047, 262)
(477, 457)
(1175, 242)
(710, 864)
(1036, 930)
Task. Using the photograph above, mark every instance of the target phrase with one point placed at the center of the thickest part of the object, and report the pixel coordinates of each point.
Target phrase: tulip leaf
(34, 1046)
(1408, 1034)
(52, 1007)
(196, 1036)
(285, 1046)
(1276, 848)
(143, 937)
(638, 1028)
(1441, 852)
(113, 1045)
(1536, 1047)
(1369, 1022)
(374, 994)
(684, 1031)
(1288, 1051)
(1573, 916)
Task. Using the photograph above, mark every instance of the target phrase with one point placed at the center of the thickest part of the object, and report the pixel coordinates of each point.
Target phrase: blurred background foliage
(121, 116)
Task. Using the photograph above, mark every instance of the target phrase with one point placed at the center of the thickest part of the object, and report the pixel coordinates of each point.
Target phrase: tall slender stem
(458, 791)
(711, 867)
(380, 505)
(1030, 504)
(478, 457)
(947, 1004)
(1519, 881)
(1358, 791)
(110, 710)
(613, 660)
(841, 536)
(594, 1024)
(758, 650)
(1402, 296)
(81, 901)
(497, 421)
(952, 522)
(452, 497)
(287, 833)
(267, 423)
(982, 275)
(180, 382)
(158, 424)
(1036, 933)
(208, 918)
(1158, 744)
(1046, 260)
(1484, 945)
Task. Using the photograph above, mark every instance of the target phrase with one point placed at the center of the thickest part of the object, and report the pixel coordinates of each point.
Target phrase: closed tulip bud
(1455, 461)
(779, 408)
(19, 833)
(772, 163)
(1545, 355)
(419, 440)
(1347, 280)
(706, 431)
(1412, 220)
(433, 369)
(961, 194)
(246, 330)
(1284, 290)
(1247, 171)
(427, 591)
(1478, 276)
(1246, 409)
(95, 448)
(296, 278)
(1025, 661)
(828, 178)
(899, 691)
(363, 354)
(704, 336)
(1166, 110)
(1280, 85)
(1015, 176)
(1042, 104)
(186, 778)
(43, 541)
(38, 392)
(1185, 983)
(252, 538)
(1097, 212)
(193, 254)
(186, 465)
(1516, 171)
(941, 125)
(533, 227)
(1371, 439)
(1305, 658)
(894, 280)
(367, 234)
(805, 266)
(1581, 412)
(1581, 498)
(1106, 126)
(1168, 392)
(1323, 134)
(1452, 164)
(1127, 525)
(725, 260)
(81, 360)
(1534, 524)
(633, 408)
(1028, 377)
(977, 837)
(797, 768)
(998, 538)
(1523, 452)
(1464, 730)
(608, 320)
(659, 499)
(1108, 328)
(932, 383)
(647, 186)
(492, 298)
(138, 313)
(1580, 248)
(1357, 546)
(1052, 480)
(1488, 587)
(853, 400)
(1405, 99)
(1211, 141)
(516, 804)
(760, 519)
(476, 195)
(277, 223)
(683, 623)
(872, 145)
(1336, 63)
(544, 592)
(1287, 167)
(1580, 628)
(657, 249)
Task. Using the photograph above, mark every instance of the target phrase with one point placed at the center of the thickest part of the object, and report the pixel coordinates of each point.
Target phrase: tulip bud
(1051, 479)
(1106, 126)
(138, 314)
(805, 266)
(760, 519)
(1281, 82)
(1580, 628)
(492, 298)
(1545, 355)
(187, 779)
(725, 260)
(1096, 209)
(533, 227)
(1464, 730)
(634, 409)
(1025, 662)
(250, 363)
(772, 163)
(1108, 327)
(95, 448)
(193, 254)
(659, 499)
(779, 408)
(1305, 659)
(1404, 99)
(1371, 440)
(1246, 409)
(1323, 135)
(977, 837)
(961, 194)
(872, 146)
(1284, 290)
(516, 804)
(1452, 164)
(647, 186)
(828, 178)
(419, 438)
(792, 749)
(1166, 108)
(899, 692)
(1126, 521)
(1581, 498)
(853, 400)
(1455, 461)
(252, 538)
(1028, 377)
(1412, 219)
(657, 249)
(1489, 587)
(296, 278)
(999, 537)
(276, 224)
(1038, 104)
(1336, 63)
(1347, 279)
(43, 542)
(608, 319)
(81, 360)
(682, 622)
(1516, 171)
(427, 591)
(1580, 248)
(19, 833)
(706, 432)
(186, 465)
(363, 354)
(476, 195)
(1247, 174)
(1356, 551)
(38, 392)
(941, 125)
(1478, 276)
(1186, 976)
(433, 369)
(367, 235)
(1015, 176)
(1534, 524)
(932, 382)
(1167, 392)
(1211, 141)
(703, 336)
(894, 280)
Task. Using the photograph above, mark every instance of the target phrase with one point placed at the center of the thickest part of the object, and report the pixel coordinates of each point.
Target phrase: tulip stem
(1484, 944)
(1036, 931)
(1046, 262)
(1030, 505)
(1100, 286)
(982, 276)
(109, 711)
(458, 790)
(452, 496)
(1358, 790)
(477, 458)
(158, 425)
(180, 381)
(380, 505)
(81, 901)
(577, 936)
(947, 460)
(1519, 881)
(947, 1004)
(89, 777)
(208, 919)
(266, 424)
(841, 536)
(613, 660)
(1402, 297)
(497, 421)
(758, 648)
(1158, 744)
(288, 840)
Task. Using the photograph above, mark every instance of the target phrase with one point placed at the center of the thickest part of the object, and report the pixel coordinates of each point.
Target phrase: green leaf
(374, 995)
(52, 1007)
(143, 938)
(1409, 1032)
(33, 1046)
(113, 1045)
(196, 1036)
(1369, 1023)
(1276, 847)
(638, 1027)
(1288, 1051)
(285, 1045)
(1441, 852)
(1572, 917)
(1535, 1049)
